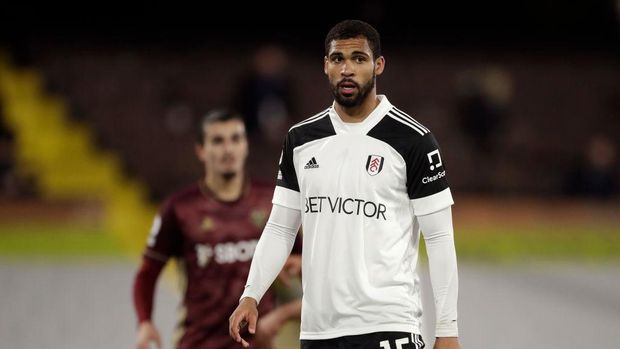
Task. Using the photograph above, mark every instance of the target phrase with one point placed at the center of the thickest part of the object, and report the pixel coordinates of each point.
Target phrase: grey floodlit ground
(88, 305)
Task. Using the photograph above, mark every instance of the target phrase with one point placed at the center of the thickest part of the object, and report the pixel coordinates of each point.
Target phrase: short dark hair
(216, 115)
(353, 28)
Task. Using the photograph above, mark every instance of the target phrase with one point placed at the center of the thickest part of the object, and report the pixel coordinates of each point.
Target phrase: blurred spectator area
(143, 102)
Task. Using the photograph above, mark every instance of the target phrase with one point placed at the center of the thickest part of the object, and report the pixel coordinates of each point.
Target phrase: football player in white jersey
(364, 179)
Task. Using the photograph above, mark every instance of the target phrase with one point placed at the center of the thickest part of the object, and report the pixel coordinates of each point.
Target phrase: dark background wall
(543, 78)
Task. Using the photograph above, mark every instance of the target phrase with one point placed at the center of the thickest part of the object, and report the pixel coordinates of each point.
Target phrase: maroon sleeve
(165, 238)
(144, 287)
(297, 245)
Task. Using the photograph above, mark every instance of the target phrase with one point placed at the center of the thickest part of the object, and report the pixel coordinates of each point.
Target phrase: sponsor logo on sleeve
(429, 179)
(434, 164)
(434, 158)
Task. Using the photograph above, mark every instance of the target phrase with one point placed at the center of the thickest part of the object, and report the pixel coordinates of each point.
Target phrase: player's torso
(355, 208)
(219, 238)
(218, 244)
(351, 175)
(358, 226)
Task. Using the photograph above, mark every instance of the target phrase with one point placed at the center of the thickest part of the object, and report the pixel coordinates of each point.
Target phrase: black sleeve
(426, 170)
(287, 177)
(165, 237)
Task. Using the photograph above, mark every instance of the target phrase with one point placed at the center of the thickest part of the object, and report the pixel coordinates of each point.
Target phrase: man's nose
(228, 147)
(346, 69)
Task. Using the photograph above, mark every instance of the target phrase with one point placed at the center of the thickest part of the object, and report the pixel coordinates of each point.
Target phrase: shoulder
(315, 127)
(311, 121)
(403, 133)
(399, 123)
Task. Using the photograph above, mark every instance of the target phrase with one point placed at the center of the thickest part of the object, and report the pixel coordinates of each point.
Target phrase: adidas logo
(311, 164)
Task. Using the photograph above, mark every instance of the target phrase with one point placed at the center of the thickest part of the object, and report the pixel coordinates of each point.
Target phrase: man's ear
(325, 65)
(198, 149)
(379, 65)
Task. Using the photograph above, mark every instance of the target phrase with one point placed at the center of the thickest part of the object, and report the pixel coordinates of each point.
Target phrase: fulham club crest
(374, 164)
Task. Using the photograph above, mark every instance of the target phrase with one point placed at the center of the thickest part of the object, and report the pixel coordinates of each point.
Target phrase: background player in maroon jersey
(212, 228)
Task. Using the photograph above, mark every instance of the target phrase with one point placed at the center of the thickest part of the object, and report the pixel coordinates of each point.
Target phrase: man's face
(351, 70)
(225, 148)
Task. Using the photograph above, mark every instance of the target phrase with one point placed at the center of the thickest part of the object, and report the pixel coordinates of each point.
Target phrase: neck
(360, 112)
(225, 189)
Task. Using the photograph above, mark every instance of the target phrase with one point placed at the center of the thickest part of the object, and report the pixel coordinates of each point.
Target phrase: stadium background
(96, 111)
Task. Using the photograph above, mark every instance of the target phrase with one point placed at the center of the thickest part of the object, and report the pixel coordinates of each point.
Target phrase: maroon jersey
(214, 242)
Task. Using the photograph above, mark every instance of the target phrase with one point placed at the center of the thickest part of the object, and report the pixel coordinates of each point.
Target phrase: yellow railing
(62, 157)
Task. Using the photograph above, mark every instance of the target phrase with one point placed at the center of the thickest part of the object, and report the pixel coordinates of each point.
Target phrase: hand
(245, 314)
(447, 343)
(147, 333)
(292, 267)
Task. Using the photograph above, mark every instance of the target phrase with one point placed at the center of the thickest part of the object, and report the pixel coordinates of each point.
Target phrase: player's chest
(220, 224)
(353, 163)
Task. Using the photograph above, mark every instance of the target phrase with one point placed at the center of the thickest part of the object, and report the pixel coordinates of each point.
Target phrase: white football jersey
(360, 187)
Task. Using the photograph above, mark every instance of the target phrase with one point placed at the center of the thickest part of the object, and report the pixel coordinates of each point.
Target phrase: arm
(431, 202)
(439, 237)
(143, 292)
(271, 252)
(164, 241)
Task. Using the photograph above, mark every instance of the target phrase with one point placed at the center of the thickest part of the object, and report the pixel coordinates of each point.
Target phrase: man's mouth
(347, 87)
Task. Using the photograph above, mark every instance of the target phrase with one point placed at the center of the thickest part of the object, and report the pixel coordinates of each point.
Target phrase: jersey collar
(363, 127)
